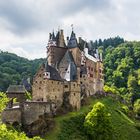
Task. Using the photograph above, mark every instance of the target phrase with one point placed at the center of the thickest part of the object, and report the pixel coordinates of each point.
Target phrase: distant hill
(14, 68)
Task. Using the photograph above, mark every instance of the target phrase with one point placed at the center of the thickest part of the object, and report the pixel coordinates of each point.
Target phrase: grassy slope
(123, 126)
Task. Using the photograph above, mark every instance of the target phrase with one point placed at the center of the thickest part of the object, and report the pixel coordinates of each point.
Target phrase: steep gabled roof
(16, 89)
(54, 75)
(68, 56)
(68, 63)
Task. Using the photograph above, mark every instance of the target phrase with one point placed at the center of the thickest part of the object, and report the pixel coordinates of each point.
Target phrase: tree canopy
(14, 68)
(98, 123)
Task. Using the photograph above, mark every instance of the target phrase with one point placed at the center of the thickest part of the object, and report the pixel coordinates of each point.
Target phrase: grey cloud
(28, 15)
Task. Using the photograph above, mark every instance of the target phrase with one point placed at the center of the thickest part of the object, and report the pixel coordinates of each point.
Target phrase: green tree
(137, 107)
(98, 123)
(3, 101)
(132, 84)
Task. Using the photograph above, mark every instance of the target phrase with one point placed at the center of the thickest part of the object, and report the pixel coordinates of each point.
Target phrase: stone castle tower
(69, 74)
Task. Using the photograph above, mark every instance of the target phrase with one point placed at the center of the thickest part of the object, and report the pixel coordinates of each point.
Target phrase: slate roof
(73, 41)
(16, 89)
(69, 63)
(54, 75)
(68, 56)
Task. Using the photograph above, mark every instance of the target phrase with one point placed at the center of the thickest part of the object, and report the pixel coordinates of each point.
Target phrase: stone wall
(38, 85)
(100, 76)
(11, 115)
(32, 110)
(19, 96)
(47, 90)
(75, 95)
(76, 52)
(54, 91)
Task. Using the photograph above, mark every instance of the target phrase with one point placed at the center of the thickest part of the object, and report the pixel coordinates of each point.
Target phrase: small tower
(50, 48)
(72, 43)
(61, 41)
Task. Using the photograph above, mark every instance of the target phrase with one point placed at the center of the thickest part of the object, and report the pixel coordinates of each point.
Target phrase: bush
(98, 123)
(112, 89)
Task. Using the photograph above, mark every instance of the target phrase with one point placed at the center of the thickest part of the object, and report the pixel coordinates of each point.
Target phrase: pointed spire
(53, 36)
(72, 41)
(72, 27)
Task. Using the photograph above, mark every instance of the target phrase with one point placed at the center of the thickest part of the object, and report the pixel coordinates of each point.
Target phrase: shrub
(112, 89)
(98, 123)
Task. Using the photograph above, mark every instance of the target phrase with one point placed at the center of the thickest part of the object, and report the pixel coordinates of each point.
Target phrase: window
(80, 74)
(40, 82)
(91, 69)
(66, 86)
(91, 75)
(39, 87)
(74, 94)
(36, 81)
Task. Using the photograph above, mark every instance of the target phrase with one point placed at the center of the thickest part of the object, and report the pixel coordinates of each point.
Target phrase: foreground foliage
(98, 123)
(3, 101)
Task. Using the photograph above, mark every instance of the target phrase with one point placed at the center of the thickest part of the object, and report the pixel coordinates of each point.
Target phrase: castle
(69, 75)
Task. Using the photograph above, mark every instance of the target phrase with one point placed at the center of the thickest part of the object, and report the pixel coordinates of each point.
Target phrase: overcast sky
(25, 24)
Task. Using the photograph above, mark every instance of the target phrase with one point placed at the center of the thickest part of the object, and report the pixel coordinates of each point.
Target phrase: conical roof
(73, 41)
